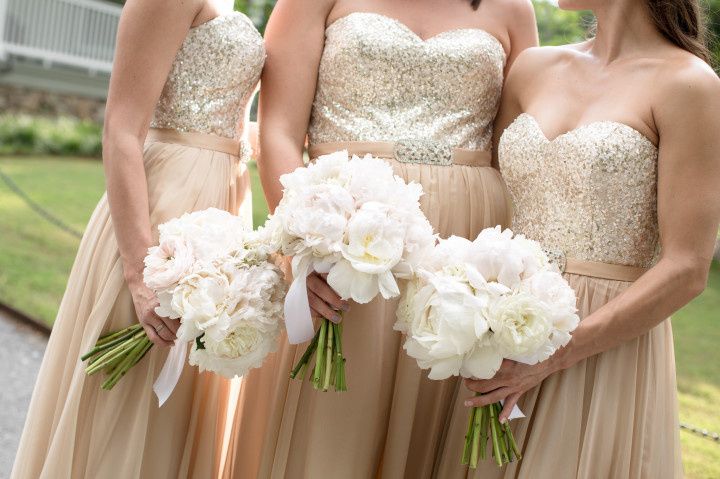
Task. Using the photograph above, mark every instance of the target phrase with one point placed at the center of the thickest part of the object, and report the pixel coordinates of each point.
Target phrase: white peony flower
(474, 303)
(521, 324)
(375, 244)
(354, 219)
(242, 349)
(200, 300)
(217, 277)
(446, 325)
(551, 288)
(166, 264)
(316, 221)
(495, 258)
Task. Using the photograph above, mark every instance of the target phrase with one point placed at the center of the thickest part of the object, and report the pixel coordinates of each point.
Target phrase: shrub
(29, 135)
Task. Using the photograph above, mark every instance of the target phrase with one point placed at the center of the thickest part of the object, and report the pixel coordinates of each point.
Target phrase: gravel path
(20, 357)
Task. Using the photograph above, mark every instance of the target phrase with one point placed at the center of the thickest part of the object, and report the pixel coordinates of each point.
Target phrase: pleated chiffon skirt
(391, 421)
(76, 430)
(611, 416)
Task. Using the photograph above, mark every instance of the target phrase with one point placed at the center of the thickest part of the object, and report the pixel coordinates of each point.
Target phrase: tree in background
(257, 10)
(556, 26)
(712, 11)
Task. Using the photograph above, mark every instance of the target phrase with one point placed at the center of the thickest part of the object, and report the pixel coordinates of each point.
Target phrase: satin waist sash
(427, 152)
(196, 140)
(616, 272)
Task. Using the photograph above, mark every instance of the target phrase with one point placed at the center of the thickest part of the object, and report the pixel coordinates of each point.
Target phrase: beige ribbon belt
(425, 152)
(616, 272)
(195, 140)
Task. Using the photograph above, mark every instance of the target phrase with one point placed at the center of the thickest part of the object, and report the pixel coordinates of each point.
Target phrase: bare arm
(522, 30)
(149, 35)
(294, 40)
(688, 119)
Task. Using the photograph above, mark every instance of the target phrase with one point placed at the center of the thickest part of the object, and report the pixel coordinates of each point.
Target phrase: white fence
(77, 33)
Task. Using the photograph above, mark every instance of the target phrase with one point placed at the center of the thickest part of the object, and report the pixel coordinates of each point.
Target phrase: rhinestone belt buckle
(557, 258)
(428, 152)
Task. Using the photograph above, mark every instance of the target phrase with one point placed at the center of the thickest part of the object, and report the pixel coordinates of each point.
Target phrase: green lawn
(697, 336)
(35, 258)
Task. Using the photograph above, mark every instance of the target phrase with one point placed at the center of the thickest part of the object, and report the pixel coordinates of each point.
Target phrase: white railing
(78, 33)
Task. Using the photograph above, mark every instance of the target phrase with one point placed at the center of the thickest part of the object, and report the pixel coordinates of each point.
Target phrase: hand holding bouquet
(216, 277)
(473, 304)
(353, 219)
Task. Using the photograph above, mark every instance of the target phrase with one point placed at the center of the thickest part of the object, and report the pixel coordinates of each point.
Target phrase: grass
(35, 256)
(35, 259)
(697, 335)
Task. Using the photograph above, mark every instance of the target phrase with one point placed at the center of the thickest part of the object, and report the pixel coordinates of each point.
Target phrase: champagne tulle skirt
(612, 416)
(76, 430)
(392, 419)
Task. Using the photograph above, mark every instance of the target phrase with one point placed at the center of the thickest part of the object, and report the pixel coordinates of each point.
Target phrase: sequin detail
(214, 74)
(590, 194)
(378, 81)
(430, 152)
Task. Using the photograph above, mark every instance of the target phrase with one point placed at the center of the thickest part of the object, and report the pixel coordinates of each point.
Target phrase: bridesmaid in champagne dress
(425, 102)
(618, 182)
(193, 159)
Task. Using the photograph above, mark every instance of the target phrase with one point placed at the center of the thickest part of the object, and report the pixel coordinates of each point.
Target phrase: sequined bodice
(590, 193)
(379, 81)
(214, 74)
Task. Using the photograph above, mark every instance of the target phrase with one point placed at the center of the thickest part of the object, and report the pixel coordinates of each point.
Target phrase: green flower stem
(329, 356)
(111, 355)
(467, 450)
(484, 424)
(320, 355)
(476, 445)
(511, 438)
(108, 344)
(130, 361)
(114, 335)
(326, 347)
(148, 345)
(495, 438)
(340, 384)
(123, 367)
(299, 369)
(111, 365)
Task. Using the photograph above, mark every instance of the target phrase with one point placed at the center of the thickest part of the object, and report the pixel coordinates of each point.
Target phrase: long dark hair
(475, 4)
(682, 22)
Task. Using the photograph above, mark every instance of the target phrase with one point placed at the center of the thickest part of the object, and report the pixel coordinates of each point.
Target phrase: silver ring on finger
(159, 328)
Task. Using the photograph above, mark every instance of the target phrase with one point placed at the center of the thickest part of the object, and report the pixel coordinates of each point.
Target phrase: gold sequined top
(379, 81)
(589, 194)
(214, 74)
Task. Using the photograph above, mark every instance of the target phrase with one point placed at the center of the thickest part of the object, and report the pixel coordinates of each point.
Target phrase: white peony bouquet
(353, 219)
(216, 276)
(473, 304)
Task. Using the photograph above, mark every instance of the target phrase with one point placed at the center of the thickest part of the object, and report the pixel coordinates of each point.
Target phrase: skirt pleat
(73, 428)
(611, 416)
(391, 421)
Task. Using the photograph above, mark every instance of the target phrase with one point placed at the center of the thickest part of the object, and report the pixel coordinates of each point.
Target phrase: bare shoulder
(685, 83)
(535, 62)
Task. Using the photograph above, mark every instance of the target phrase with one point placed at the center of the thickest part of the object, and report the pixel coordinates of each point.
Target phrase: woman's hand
(324, 301)
(161, 331)
(511, 381)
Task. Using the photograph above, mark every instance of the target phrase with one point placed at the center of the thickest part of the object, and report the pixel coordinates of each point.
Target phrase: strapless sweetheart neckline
(403, 26)
(586, 126)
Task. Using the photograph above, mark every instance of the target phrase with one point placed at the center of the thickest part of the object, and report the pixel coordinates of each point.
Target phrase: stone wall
(16, 99)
